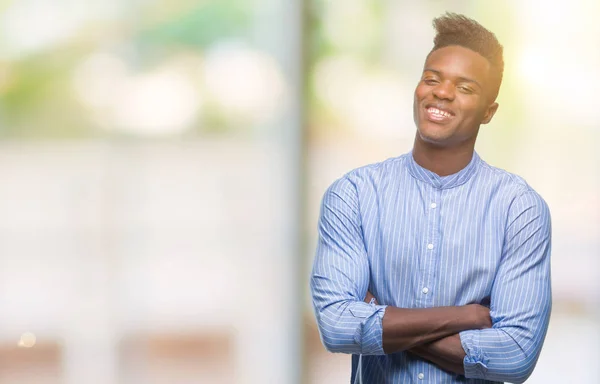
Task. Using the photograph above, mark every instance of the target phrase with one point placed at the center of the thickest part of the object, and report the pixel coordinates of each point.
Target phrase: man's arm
(405, 328)
(447, 353)
(520, 299)
(340, 280)
(521, 304)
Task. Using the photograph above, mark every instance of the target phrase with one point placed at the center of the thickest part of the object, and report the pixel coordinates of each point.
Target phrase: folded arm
(520, 305)
(447, 352)
(340, 281)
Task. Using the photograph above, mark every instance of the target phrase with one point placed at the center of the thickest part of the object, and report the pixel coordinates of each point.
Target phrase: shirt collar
(443, 182)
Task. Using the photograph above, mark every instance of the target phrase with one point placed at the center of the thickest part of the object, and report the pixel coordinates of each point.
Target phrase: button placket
(432, 246)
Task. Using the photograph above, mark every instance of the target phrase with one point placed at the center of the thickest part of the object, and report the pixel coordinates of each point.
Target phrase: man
(433, 238)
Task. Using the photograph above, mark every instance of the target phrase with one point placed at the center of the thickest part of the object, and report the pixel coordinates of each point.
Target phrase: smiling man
(435, 266)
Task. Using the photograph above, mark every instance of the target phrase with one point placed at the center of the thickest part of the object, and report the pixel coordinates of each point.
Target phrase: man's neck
(442, 161)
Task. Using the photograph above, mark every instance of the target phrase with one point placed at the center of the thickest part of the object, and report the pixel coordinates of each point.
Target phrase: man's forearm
(405, 328)
(447, 353)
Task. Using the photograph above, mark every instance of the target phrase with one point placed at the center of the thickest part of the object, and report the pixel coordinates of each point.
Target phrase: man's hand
(369, 298)
(480, 316)
(447, 353)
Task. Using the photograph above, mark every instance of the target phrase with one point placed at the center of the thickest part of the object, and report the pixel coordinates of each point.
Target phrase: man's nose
(444, 90)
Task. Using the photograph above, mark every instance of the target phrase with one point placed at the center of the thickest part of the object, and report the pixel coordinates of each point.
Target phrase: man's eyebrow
(462, 79)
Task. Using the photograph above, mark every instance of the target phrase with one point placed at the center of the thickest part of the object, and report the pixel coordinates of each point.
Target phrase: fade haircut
(455, 29)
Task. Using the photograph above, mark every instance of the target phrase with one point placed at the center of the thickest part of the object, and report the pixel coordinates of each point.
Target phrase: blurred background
(162, 165)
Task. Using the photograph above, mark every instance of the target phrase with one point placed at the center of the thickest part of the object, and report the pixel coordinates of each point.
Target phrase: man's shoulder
(367, 177)
(509, 183)
(379, 170)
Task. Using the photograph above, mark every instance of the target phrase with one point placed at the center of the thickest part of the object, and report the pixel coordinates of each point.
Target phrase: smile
(438, 115)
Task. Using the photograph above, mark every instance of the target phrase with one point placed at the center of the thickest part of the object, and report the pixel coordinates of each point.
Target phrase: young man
(434, 238)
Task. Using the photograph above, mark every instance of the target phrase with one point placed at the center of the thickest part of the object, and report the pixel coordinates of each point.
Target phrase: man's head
(460, 82)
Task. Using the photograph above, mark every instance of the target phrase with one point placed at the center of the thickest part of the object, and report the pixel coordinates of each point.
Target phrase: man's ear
(489, 113)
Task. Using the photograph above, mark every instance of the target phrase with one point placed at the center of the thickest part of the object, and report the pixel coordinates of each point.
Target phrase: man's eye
(465, 89)
(430, 81)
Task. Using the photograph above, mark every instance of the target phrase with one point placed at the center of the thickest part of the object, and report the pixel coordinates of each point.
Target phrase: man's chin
(433, 138)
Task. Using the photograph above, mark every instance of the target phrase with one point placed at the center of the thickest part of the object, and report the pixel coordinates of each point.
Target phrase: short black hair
(455, 29)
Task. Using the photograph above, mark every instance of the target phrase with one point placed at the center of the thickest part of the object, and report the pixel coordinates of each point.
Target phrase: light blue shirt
(419, 240)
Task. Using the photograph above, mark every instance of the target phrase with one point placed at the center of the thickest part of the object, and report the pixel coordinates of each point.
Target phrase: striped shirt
(418, 240)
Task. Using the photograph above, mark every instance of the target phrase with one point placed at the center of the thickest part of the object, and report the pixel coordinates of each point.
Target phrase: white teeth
(438, 112)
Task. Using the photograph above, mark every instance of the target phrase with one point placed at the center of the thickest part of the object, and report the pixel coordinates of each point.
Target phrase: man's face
(453, 97)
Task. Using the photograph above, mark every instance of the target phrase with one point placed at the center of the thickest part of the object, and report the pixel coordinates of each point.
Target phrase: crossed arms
(501, 344)
(432, 333)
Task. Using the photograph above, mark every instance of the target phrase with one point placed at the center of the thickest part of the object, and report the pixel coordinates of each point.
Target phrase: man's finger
(370, 298)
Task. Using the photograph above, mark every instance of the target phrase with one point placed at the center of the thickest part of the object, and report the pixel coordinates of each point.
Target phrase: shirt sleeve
(340, 277)
(520, 299)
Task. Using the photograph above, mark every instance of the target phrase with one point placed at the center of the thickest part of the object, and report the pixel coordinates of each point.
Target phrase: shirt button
(425, 290)
(429, 246)
(433, 205)
(421, 376)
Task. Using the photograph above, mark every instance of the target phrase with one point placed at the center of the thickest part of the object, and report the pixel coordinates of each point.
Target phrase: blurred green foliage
(199, 26)
(36, 95)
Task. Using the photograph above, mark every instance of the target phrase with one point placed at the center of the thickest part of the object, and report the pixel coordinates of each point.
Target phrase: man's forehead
(458, 61)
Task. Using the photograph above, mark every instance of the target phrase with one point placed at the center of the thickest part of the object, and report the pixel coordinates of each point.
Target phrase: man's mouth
(438, 115)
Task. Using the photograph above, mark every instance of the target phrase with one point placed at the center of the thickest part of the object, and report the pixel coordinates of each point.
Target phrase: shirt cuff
(369, 334)
(475, 362)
